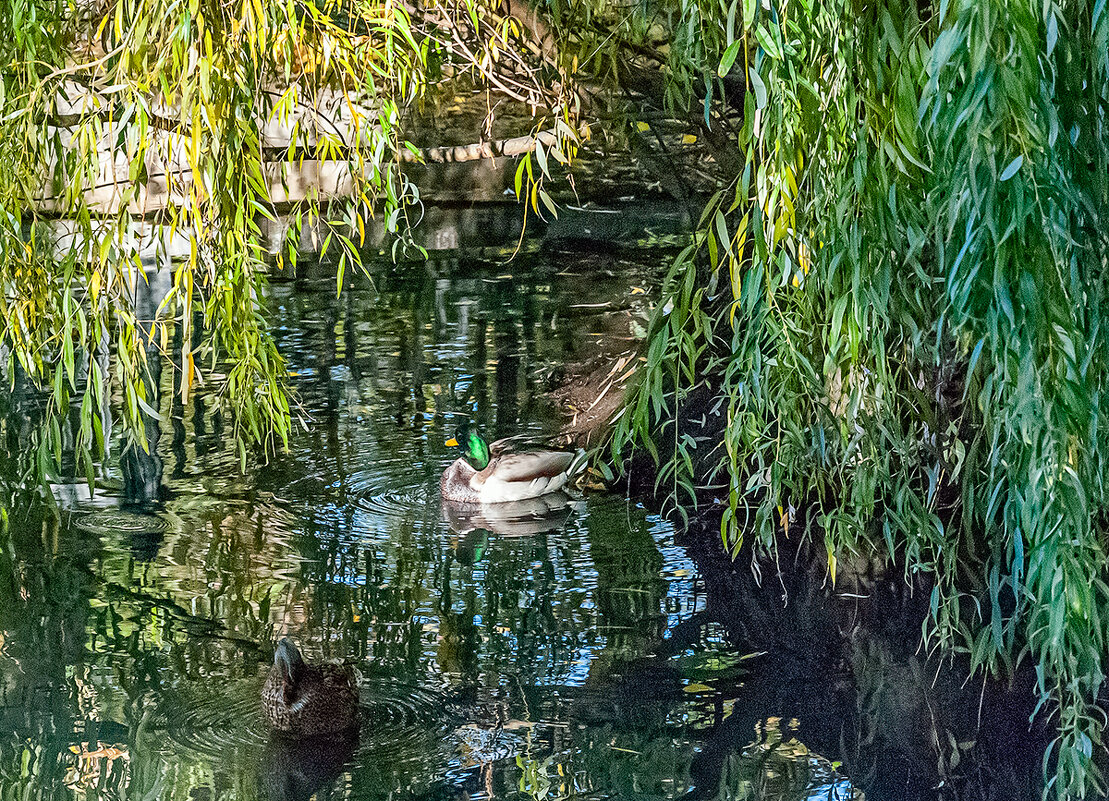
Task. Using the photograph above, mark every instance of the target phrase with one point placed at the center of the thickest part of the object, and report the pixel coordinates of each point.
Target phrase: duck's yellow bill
(451, 443)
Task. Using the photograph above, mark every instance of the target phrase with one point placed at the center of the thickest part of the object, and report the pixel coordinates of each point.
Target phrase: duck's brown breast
(325, 699)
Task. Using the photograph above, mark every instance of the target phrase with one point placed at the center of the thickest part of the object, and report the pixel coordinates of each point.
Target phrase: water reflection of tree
(630, 587)
(340, 543)
(45, 592)
(847, 663)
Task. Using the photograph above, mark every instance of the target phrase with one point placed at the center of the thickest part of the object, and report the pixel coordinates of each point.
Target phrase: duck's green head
(474, 449)
(470, 548)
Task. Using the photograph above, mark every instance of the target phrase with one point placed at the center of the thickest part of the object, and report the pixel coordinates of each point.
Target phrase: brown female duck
(304, 699)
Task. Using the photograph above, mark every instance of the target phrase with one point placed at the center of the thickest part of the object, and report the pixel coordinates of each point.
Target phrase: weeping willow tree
(212, 137)
(895, 303)
(892, 300)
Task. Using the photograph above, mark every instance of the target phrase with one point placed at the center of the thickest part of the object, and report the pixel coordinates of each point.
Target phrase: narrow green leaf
(758, 86)
(548, 203)
(1011, 169)
(708, 104)
(766, 39)
(722, 231)
(729, 58)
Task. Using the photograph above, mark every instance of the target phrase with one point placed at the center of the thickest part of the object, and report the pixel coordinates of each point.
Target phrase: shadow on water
(846, 666)
(567, 648)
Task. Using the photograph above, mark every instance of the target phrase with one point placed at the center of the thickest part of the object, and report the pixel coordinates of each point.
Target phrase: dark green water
(527, 658)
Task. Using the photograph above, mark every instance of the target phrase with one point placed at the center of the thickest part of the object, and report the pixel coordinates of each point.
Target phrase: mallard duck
(305, 699)
(492, 473)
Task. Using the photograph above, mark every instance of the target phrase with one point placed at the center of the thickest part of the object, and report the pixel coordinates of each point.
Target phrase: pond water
(528, 655)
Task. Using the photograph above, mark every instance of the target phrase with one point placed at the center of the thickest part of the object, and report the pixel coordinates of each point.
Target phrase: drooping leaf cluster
(142, 130)
(894, 297)
(910, 347)
(211, 142)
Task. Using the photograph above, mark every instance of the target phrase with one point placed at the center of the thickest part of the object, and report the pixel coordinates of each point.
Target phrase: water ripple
(392, 490)
(122, 521)
(399, 720)
(397, 717)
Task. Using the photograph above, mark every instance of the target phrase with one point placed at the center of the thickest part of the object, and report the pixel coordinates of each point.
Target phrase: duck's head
(470, 548)
(474, 449)
(289, 662)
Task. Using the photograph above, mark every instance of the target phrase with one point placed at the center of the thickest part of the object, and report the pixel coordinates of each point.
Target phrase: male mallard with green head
(307, 699)
(487, 473)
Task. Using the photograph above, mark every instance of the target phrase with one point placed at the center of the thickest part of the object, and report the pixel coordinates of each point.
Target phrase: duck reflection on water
(475, 523)
(293, 768)
(513, 519)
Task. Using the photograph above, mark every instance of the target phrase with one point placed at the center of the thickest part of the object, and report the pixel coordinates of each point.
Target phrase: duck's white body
(508, 477)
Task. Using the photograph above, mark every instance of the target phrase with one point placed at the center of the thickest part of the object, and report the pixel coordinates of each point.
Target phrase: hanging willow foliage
(208, 138)
(163, 111)
(913, 350)
(895, 296)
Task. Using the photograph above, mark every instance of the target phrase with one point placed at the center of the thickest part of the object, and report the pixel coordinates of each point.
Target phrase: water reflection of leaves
(92, 764)
(152, 643)
(779, 766)
(534, 779)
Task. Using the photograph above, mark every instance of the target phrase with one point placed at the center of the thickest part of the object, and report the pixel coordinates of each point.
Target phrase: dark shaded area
(293, 769)
(848, 664)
